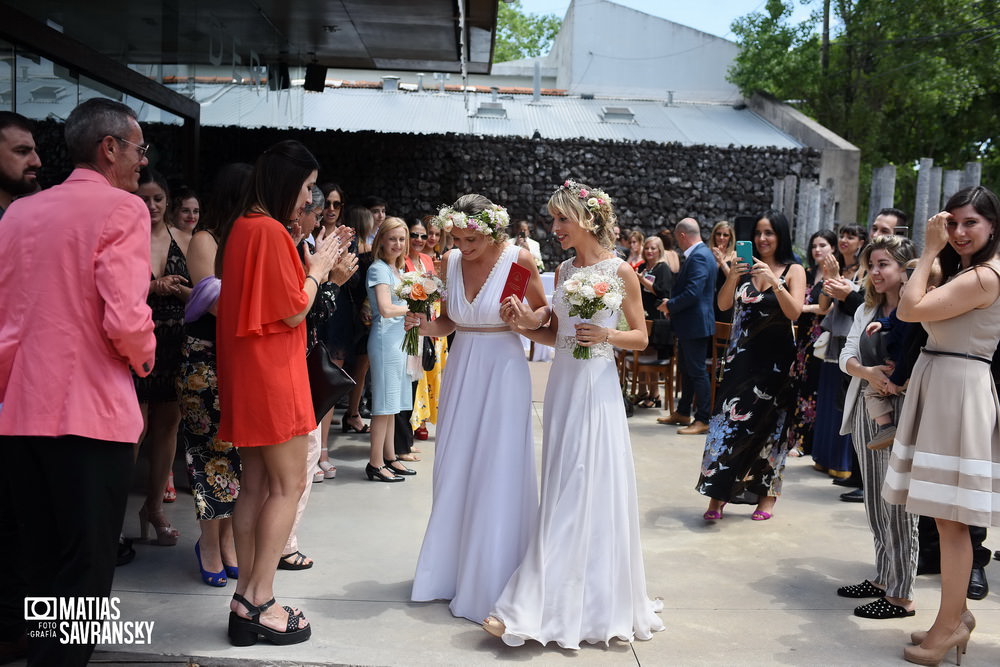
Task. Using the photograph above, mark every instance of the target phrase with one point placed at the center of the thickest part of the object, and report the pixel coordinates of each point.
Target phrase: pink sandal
(713, 515)
(760, 515)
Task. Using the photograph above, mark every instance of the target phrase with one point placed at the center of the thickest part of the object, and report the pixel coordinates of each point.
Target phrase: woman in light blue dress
(390, 383)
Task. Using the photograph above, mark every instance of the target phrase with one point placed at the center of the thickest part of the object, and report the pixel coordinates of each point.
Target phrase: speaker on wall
(278, 78)
(315, 78)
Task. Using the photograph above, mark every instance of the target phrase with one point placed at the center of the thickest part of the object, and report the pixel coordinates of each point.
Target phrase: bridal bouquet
(420, 291)
(589, 292)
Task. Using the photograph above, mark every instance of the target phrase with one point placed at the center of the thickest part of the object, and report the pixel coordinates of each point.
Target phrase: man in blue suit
(693, 318)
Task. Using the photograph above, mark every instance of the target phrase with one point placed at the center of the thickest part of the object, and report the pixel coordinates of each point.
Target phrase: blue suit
(693, 318)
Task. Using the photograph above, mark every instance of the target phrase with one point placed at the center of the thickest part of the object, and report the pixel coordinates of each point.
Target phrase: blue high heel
(217, 579)
(232, 571)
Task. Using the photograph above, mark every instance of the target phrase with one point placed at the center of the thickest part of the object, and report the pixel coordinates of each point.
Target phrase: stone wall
(653, 185)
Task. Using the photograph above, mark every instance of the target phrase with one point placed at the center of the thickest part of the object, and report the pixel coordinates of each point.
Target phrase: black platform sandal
(245, 631)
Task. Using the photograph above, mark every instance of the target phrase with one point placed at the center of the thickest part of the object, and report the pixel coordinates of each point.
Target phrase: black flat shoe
(855, 496)
(245, 631)
(399, 471)
(865, 589)
(374, 474)
(978, 586)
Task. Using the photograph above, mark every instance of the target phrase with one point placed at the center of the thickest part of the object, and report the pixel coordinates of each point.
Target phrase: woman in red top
(265, 403)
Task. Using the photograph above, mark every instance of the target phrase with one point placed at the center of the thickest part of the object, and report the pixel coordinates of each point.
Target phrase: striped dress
(945, 460)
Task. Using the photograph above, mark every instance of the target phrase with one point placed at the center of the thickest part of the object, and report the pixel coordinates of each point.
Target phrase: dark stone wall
(653, 185)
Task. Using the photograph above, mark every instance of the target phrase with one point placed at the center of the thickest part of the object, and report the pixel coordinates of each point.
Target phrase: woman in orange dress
(265, 402)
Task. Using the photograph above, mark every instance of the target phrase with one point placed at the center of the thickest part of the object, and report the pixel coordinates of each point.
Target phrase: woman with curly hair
(582, 578)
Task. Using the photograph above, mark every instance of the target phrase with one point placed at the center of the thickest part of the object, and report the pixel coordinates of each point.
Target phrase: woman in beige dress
(947, 449)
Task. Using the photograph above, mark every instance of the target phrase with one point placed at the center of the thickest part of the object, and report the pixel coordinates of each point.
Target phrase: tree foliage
(906, 78)
(522, 35)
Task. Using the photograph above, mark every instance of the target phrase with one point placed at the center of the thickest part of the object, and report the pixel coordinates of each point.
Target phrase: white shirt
(687, 253)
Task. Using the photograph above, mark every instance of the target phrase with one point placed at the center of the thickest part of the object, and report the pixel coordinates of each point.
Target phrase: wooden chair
(720, 342)
(636, 363)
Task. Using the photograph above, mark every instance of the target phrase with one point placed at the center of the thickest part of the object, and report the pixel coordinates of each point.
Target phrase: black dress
(160, 386)
(744, 451)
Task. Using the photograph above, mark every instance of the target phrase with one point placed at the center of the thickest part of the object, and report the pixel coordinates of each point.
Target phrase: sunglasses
(335, 205)
(418, 236)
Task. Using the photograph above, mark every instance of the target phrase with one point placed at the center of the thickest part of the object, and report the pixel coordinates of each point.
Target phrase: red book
(517, 282)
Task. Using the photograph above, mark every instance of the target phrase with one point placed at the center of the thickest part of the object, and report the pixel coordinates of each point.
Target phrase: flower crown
(592, 199)
(491, 221)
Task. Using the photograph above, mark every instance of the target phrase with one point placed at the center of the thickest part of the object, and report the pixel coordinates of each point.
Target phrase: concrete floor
(736, 592)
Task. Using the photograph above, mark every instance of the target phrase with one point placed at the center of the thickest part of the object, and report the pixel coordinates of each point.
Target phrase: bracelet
(607, 335)
(544, 319)
(314, 280)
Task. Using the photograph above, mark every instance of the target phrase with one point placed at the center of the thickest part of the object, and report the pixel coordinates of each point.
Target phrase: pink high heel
(714, 515)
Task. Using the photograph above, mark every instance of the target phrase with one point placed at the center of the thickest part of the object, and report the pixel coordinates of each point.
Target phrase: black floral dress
(160, 386)
(805, 376)
(744, 451)
(213, 465)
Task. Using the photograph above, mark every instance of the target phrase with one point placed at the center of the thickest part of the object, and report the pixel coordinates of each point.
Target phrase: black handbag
(429, 357)
(328, 382)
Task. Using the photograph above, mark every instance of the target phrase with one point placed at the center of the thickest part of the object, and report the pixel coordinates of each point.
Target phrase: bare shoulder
(525, 259)
(627, 273)
(797, 271)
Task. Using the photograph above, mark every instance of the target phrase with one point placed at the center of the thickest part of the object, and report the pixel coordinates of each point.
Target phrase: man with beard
(19, 162)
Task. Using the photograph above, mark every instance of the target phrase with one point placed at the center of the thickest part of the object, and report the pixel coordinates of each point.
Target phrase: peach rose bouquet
(420, 291)
(589, 292)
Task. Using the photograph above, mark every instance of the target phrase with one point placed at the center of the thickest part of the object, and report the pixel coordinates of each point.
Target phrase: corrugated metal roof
(355, 110)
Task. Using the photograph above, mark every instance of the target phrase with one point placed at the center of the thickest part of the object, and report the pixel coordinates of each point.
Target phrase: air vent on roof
(390, 83)
(491, 110)
(617, 115)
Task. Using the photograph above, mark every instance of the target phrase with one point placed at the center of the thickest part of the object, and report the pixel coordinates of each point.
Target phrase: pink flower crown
(593, 199)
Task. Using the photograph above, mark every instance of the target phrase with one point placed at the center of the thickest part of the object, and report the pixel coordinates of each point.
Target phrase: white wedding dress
(485, 493)
(582, 578)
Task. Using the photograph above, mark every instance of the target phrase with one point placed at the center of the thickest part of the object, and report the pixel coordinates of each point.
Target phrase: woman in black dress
(744, 451)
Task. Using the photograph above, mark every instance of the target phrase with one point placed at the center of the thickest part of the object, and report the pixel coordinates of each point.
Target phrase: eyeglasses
(414, 235)
(142, 148)
(335, 205)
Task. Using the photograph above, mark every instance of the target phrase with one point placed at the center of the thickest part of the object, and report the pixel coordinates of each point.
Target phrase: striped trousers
(894, 531)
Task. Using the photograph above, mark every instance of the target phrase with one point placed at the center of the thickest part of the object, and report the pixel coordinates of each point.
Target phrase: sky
(714, 16)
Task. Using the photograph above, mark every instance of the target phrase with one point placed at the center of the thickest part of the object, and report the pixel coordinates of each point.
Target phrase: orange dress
(264, 396)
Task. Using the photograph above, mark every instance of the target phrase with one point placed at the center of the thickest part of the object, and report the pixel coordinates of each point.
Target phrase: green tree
(906, 78)
(522, 35)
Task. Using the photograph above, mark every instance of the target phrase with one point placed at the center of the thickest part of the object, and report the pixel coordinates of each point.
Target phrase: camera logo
(40, 609)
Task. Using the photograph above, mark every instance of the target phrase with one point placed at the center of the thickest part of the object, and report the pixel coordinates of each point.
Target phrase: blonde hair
(600, 223)
(900, 249)
(659, 242)
(389, 224)
(724, 224)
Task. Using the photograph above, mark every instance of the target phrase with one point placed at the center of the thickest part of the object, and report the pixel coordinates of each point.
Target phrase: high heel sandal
(347, 427)
(374, 474)
(399, 471)
(714, 515)
(650, 402)
(959, 640)
(245, 631)
(166, 535)
(232, 571)
(217, 579)
(169, 492)
(968, 620)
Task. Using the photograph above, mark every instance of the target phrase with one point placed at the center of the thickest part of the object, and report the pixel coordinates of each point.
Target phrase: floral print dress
(744, 451)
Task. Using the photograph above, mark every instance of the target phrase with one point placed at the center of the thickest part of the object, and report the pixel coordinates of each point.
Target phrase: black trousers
(930, 545)
(67, 496)
(696, 388)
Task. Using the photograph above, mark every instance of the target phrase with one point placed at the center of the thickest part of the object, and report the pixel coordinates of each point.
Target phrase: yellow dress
(425, 403)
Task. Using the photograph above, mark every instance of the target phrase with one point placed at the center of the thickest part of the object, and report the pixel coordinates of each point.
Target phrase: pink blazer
(74, 275)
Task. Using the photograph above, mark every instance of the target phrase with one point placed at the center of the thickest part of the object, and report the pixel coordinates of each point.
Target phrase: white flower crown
(491, 221)
(593, 199)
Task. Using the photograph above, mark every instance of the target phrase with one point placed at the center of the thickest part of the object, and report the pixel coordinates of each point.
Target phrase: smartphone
(744, 251)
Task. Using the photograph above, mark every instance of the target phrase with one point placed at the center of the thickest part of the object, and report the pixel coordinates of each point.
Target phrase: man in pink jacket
(74, 275)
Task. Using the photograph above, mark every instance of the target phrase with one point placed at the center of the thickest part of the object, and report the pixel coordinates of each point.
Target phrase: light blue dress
(390, 384)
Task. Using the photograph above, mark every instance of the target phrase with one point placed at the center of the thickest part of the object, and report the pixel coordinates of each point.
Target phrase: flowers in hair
(490, 222)
(593, 199)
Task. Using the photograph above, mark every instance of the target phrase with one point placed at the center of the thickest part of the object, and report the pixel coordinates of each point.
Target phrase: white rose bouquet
(420, 291)
(589, 292)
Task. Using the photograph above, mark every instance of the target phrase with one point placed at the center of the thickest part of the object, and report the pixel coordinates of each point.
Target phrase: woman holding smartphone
(744, 453)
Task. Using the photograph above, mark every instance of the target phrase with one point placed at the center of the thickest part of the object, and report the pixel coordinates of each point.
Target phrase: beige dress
(945, 460)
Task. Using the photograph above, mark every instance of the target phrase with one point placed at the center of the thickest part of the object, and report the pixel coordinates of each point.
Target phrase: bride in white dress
(485, 494)
(582, 577)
